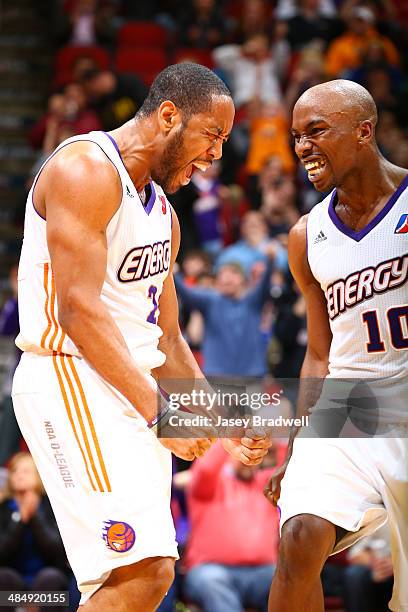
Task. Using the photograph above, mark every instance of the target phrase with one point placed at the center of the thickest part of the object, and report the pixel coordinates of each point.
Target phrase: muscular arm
(180, 373)
(315, 364)
(180, 362)
(78, 192)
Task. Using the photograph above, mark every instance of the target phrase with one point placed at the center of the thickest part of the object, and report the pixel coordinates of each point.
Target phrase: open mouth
(200, 165)
(315, 169)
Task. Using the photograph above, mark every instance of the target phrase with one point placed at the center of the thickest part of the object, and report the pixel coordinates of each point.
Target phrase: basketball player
(98, 314)
(353, 244)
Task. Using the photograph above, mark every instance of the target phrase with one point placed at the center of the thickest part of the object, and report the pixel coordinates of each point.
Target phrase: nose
(302, 146)
(216, 150)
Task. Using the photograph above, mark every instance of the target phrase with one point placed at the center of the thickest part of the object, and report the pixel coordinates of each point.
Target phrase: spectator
(10, 435)
(347, 51)
(196, 268)
(67, 112)
(232, 550)
(207, 208)
(308, 72)
(202, 25)
(207, 200)
(254, 19)
(309, 25)
(32, 555)
(254, 246)
(86, 23)
(195, 265)
(251, 70)
(268, 137)
(369, 577)
(115, 97)
(233, 343)
(374, 58)
(286, 9)
(290, 335)
(279, 206)
(391, 137)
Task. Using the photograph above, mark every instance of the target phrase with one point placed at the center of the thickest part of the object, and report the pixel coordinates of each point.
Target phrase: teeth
(314, 164)
(201, 166)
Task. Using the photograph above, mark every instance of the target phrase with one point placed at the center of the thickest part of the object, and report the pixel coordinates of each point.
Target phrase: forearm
(98, 338)
(312, 375)
(180, 362)
(180, 374)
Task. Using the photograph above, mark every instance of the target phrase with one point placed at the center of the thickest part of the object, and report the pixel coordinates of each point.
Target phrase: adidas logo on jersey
(320, 237)
(128, 192)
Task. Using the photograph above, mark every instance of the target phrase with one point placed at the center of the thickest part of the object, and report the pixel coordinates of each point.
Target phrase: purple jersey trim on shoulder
(113, 141)
(148, 207)
(360, 234)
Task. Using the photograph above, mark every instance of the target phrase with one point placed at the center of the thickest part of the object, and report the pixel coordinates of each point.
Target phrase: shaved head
(341, 96)
(334, 131)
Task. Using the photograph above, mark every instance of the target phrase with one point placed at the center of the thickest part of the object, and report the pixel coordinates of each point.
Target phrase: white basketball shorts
(107, 476)
(353, 483)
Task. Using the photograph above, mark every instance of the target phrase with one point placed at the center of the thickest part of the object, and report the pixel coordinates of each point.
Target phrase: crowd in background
(239, 307)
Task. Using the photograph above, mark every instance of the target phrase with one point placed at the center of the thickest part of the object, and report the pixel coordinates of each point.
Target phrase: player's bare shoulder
(297, 233)
(79, 174)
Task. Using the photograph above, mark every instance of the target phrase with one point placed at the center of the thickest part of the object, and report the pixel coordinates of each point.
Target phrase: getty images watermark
(331, 408)
(184, 408)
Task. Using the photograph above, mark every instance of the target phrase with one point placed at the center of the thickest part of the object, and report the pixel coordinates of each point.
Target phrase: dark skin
(333, 126)
(78, 193)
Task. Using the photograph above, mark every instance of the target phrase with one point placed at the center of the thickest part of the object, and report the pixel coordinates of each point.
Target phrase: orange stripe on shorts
(47, 300)
(70, 417)
(90, 422)
(81, 424)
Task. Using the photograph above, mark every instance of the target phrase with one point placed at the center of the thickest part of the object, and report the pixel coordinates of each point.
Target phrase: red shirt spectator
(231, 521)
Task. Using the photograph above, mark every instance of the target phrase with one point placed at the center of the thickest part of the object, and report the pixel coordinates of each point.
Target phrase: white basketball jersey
(138, 260)
(364, 277)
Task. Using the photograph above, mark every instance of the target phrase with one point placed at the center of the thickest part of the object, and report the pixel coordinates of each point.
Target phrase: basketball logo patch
(163, 203)
(402, 225)
(119, 536)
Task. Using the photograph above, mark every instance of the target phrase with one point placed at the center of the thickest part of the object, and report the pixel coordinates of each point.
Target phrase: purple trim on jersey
(359, 235)
(41, 217)
(115, 145)
(150, 203)
(148, 207)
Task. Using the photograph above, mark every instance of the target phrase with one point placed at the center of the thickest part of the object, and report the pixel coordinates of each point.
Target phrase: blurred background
(72, 66)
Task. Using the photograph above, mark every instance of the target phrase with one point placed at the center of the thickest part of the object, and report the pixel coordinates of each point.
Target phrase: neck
(139, 145)
(376, 179)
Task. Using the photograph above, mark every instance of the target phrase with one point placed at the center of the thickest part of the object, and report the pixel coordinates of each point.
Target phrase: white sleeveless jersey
(364, 275)
(138, 260)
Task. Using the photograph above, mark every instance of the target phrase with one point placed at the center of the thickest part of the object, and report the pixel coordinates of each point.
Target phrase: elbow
(73, 308)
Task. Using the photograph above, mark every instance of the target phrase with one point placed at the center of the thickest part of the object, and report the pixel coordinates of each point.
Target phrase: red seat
(141, 34)
(334, 603)
(66, 57)
(200, 56)
(144, 61)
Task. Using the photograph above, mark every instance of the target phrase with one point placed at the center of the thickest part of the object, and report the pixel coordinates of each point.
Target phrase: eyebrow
(219, 132)
(311, 124)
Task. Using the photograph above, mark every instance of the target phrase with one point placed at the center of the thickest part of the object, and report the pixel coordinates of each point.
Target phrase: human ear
(366, 132)
(169, 116)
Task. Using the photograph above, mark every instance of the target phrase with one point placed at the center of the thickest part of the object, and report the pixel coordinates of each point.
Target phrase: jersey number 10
(397, 319)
